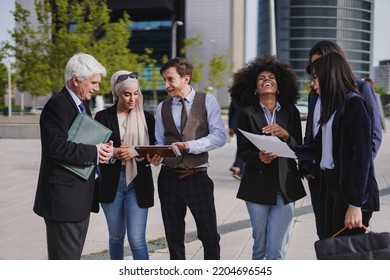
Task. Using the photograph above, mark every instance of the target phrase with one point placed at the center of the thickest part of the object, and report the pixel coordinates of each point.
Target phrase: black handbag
(366, 246)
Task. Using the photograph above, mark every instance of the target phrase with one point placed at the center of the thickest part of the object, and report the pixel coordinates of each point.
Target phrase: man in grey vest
(192, 121)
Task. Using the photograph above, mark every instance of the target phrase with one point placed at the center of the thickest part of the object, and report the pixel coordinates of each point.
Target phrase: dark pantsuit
(336, 207)
(196, 192)
(65, 241)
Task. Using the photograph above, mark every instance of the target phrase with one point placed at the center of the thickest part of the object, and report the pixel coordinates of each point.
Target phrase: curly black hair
(243, 89)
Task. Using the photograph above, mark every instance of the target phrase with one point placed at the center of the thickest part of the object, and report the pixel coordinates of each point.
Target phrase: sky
(381, 23)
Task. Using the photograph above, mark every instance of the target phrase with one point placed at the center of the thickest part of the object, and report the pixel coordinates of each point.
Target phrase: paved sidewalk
(22, 233)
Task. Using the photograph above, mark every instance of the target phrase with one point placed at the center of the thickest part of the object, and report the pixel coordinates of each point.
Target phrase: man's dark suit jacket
(258, 184)
(61, 195)
(108, 183)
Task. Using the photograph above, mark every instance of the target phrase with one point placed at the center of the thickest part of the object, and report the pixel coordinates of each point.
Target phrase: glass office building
(301, 23)
(382, 75)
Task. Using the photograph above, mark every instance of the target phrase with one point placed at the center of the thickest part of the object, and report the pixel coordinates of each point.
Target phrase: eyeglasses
(121, 78)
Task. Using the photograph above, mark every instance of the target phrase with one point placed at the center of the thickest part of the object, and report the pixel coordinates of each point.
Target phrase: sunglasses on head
(121, 78)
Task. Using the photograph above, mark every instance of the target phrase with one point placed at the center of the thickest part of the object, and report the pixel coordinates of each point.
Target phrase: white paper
(270, 144)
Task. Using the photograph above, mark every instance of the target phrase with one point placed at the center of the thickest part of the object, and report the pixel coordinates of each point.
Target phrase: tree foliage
(218, 70)
(3, 79)
(194, 42)
(64, 28)
(31, 50)
(381, 90)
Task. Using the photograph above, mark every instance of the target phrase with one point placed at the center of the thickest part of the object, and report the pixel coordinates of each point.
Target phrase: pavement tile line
(161, 243)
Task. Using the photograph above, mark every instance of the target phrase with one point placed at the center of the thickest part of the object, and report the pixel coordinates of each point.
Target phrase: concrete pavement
(22, 233)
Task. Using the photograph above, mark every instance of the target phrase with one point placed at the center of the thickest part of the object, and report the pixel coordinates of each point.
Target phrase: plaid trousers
(197, 193)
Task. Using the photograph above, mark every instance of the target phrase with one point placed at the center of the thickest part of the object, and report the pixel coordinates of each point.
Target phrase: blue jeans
(270, 228)
(125, 214)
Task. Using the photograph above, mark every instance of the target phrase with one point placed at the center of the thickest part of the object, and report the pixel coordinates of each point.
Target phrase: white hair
(83, 66)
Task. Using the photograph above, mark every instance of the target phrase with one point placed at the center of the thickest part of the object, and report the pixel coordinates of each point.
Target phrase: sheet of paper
(270, 144)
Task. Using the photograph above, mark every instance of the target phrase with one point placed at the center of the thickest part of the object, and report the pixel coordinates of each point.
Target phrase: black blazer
(61, 195)
(352, 153)
(308, 166)
(261, 182)
(108, 183)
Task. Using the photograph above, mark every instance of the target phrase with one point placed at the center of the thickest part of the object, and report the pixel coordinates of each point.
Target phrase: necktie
(183, 114)
(82, 108)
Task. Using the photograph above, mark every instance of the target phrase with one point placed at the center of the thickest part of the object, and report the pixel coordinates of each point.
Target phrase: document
(162, 150)
(86, 130)
(270, 144)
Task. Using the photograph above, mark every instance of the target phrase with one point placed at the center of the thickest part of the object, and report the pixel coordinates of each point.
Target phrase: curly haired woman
(266, 89)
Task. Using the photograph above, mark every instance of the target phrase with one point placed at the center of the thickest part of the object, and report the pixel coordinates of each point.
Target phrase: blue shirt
(217, 134)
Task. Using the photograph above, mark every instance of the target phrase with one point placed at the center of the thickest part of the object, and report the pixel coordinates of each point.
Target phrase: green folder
(86, 130)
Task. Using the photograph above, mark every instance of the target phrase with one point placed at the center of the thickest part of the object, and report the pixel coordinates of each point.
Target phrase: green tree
(66, 27)
(218, 69)
(194, 42)
(381, 90)
(31, 49)
(3, 80)
(84, 26)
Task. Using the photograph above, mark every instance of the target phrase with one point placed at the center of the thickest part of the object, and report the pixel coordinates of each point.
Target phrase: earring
(278, 92)
(255, 93)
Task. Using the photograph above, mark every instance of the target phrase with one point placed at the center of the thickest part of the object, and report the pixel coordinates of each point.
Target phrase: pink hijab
(136, 128)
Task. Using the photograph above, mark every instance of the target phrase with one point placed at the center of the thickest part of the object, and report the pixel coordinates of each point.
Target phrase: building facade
(301, 23)
(218, 23)
(382, 75)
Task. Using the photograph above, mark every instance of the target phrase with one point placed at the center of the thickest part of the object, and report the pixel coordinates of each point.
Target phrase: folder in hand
(86, 130)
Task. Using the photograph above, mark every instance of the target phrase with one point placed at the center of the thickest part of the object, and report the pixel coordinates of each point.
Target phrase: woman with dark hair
(310, 168)
(266, 89)
(351, 191)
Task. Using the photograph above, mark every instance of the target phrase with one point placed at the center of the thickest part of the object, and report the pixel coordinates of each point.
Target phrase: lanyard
(272, 121)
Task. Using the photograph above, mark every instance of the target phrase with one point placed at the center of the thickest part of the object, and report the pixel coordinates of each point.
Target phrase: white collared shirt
(75, 98)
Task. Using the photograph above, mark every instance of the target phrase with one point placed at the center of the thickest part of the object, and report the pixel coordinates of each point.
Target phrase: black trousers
(197, 193)
(336, 207)
(65, 241)
(318, 204)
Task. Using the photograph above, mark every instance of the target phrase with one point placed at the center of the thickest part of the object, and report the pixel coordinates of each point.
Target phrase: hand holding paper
(270, 144)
